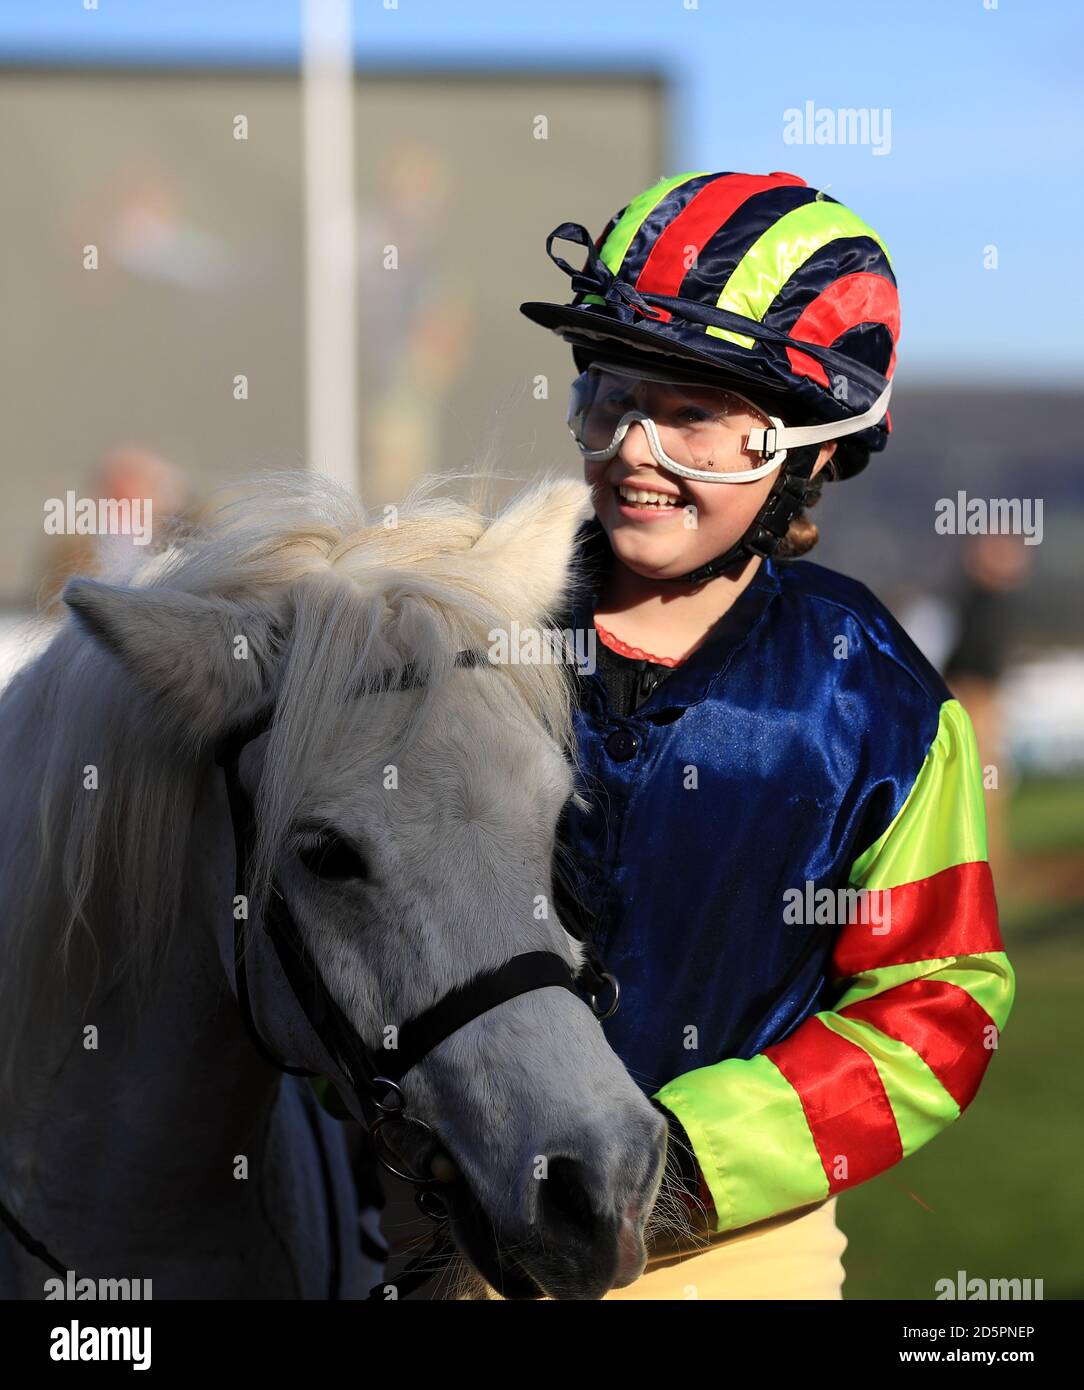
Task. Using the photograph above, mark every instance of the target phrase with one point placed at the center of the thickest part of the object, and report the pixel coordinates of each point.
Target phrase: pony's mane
(364, 595)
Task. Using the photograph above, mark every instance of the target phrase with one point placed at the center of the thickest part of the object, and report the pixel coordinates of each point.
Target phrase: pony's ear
(208, 664)
(530, 543)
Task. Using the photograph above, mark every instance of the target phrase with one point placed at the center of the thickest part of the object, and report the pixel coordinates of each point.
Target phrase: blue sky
(986, 121)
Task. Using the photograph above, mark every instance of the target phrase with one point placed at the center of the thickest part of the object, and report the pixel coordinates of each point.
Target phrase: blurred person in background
(131, 473)
(992, 569)
(420, 325)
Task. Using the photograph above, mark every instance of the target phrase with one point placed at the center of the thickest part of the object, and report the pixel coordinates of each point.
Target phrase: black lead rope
(29, 1244)
(331, 1207)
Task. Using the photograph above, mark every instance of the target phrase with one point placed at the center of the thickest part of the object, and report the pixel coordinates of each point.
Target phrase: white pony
(142, 1136)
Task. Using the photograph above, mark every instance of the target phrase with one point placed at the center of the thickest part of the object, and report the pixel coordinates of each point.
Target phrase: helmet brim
(590, 329)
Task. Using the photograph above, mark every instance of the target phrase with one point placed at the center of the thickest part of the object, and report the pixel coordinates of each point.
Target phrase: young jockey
(785, 851)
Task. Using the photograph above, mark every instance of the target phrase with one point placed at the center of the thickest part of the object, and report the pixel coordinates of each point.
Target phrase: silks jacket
(807, 1035)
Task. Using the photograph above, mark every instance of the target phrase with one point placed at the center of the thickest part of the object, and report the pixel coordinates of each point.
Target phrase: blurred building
(188, 339)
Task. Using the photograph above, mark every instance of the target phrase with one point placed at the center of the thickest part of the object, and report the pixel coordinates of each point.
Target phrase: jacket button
(623, 744)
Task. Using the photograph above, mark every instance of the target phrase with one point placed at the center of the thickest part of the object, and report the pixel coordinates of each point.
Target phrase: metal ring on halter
(385, 1084)
(426, 1195)
(602, 1017)
(378, 1125)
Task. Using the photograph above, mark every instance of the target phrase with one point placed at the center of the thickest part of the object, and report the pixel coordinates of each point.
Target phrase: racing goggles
(695, 431)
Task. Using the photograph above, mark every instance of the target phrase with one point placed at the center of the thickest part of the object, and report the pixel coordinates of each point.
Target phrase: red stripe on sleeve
(845, 1103)
(953, 913)
(942, 1023)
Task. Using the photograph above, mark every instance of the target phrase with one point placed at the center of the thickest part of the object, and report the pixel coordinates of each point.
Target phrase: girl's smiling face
(691, 522)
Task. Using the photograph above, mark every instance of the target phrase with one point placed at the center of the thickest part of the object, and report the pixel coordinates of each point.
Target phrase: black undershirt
(629, 680)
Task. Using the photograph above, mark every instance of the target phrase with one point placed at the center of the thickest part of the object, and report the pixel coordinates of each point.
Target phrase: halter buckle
(386, 1163)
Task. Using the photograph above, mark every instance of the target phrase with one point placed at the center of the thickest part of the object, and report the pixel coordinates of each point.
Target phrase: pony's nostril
(633, 1213)
(564, 1193)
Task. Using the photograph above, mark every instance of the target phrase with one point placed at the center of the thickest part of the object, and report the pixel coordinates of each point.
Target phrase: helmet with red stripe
(756, 281)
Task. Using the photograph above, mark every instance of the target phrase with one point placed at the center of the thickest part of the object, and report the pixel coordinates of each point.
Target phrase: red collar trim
(623, 649)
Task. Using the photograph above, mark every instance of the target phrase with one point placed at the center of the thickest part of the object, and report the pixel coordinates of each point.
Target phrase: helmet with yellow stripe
(753, 281)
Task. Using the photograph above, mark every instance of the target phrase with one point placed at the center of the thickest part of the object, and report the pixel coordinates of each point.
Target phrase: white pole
(330, 253)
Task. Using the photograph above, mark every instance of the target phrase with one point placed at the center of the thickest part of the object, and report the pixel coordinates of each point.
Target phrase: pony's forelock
(361, 595)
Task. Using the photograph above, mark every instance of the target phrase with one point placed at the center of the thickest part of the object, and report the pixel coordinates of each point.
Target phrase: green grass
(1046, 815)
(1003, 1184)
(999, 1192)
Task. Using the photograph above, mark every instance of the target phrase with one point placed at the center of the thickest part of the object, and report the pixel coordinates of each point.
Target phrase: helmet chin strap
(770, 524)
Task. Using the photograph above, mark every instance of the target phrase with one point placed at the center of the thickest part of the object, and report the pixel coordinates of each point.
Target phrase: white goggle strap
(769, 442)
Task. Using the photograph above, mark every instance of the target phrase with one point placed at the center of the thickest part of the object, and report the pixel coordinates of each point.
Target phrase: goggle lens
(702, 428)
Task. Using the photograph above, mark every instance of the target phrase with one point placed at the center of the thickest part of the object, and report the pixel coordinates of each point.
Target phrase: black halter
(374, 1076)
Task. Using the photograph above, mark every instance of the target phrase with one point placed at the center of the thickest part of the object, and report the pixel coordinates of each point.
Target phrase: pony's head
(410, 831)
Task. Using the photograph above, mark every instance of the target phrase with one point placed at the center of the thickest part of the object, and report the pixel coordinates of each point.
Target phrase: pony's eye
(332, 857)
